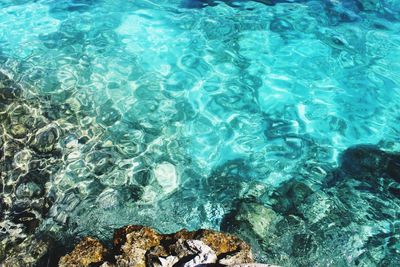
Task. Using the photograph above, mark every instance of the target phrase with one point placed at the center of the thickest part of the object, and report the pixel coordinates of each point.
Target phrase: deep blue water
(176, 114)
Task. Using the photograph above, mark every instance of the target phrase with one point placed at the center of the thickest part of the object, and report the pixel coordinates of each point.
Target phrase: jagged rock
(232, 259)
(193, 252)
(158, 256)
(224, 245)
(142, 246)
(228, 248)
(133, 242)
(88, 251)
(169, 261)
(107, 264)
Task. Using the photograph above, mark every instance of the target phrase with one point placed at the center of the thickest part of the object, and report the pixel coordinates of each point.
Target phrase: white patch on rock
(200, 252)
(169, 261)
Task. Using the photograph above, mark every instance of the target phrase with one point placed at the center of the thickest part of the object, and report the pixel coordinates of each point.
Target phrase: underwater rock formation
(32, 135)
(366, 162)
(299, 225)
(252, 216)
(289, 196)
(28, 155)
(142, 246)
(31, 251)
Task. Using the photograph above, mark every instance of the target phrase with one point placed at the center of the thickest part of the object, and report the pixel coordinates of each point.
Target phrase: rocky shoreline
(142, 246)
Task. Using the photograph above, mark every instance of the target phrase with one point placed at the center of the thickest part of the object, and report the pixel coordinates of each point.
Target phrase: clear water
(188, 111)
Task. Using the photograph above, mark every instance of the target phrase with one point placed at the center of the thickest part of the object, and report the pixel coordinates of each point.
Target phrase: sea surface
(278, 121)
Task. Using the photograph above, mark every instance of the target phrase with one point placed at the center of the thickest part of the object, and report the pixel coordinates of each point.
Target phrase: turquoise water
(173, 115)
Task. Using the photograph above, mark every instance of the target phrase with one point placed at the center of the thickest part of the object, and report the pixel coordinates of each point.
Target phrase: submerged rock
(102, 161)
(107, 115)
(27, 162)
(18, 131)
(8, 94)
(253, 216)
(368, 163)
(289, 196)
(166, 176)
(28, 190)
(317, 207)
(142, 246)
(30, 252)
(255, 223)
(46, 139)
(362, 161)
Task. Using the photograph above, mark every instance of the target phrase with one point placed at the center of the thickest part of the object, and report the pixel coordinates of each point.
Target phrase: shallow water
(172, 116)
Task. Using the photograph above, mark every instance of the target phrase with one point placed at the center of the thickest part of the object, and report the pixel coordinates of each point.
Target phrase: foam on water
(184, 111)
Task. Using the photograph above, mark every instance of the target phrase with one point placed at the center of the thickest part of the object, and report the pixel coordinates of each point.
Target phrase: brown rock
(225, 246)
(133, 242)
(182, 234)
(142, 246)
(88, 251)
(221, 243)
